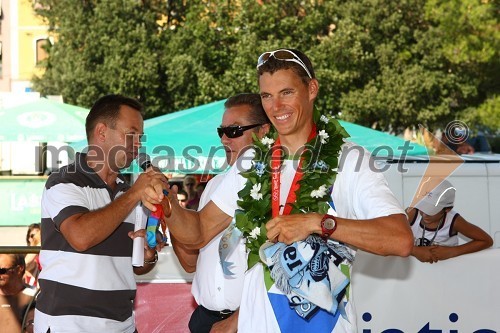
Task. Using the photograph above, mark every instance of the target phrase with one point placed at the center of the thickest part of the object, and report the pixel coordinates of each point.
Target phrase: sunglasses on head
(234, 131)
(284, 55)
(6, 270)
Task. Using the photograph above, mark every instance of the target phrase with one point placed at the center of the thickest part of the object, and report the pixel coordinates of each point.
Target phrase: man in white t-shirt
(366, 215)
(218, 296)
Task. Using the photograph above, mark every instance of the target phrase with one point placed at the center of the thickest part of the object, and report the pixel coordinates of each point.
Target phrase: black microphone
(144, 161)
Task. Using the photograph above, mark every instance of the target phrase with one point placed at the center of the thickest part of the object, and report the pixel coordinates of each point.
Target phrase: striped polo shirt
(90, 291)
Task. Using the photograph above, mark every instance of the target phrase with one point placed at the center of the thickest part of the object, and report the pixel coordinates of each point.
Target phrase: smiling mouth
(283, 117)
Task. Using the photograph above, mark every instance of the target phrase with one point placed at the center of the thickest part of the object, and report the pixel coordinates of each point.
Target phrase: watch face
(329, 224)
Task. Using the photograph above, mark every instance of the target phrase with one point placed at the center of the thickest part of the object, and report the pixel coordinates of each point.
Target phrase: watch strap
(327, 232)
(152, 261)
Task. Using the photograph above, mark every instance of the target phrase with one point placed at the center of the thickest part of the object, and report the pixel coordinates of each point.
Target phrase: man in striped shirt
(88, 215)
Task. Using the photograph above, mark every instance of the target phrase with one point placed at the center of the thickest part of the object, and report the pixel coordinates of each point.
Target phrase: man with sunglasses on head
(218, 295)
(362, 214)
(15, 295)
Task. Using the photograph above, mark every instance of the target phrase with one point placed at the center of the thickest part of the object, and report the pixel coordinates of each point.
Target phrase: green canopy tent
(22, 129)
(382, 144)
(186, 141)
(43, 121)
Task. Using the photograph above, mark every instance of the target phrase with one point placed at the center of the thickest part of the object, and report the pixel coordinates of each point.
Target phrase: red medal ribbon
(275, 178)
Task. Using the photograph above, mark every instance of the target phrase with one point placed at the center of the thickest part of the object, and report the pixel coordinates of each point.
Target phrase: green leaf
(253, 258)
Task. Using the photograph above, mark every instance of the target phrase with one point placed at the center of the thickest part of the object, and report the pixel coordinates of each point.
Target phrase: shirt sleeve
(62, 201)
(361, 191)
(226, 195)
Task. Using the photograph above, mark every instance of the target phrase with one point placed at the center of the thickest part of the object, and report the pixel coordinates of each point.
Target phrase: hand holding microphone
(155, 218)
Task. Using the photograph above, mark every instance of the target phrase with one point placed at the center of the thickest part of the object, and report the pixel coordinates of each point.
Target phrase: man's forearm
(187, 257)
(195, 229)
(149, 264)
(91, 228)
(183, 224)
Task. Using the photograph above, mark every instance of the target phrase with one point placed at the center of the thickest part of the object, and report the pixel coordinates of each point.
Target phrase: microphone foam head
(143, 160)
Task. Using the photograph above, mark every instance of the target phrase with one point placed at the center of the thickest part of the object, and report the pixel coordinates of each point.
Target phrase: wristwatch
(152, 261)
(328, 226)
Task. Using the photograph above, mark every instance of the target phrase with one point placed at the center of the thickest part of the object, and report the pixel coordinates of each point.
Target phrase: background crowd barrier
(392, 294)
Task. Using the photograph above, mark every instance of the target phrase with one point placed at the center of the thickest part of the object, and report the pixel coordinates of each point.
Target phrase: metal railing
(19, 249)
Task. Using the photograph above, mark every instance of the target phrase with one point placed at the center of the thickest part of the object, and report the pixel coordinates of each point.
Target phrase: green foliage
(489, 112)
(384, 63)
(103, 47)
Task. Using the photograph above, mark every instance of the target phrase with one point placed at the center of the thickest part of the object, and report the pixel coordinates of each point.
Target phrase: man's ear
(313, 89)
(20, 270)
(100, 132)
(264, 129)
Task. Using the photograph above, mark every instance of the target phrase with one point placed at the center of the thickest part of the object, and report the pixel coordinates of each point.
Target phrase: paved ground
(163, 307)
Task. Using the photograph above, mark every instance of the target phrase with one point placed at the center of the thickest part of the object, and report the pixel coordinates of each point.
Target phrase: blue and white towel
(307, 273)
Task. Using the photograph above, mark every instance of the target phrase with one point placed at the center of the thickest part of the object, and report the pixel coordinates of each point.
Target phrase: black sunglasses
(284, 55)
(234, 131)
(6, 270)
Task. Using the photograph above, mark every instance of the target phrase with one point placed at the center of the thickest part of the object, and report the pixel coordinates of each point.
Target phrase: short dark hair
(18, 260)
(257, 114)
(30, 229)
(106, 109)
(272, 65)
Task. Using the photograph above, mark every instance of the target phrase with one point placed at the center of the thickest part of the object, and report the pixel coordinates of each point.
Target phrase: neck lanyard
(435, 232)
(275, 179)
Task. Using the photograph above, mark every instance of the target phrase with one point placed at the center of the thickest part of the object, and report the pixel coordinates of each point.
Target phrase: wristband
(152, 261)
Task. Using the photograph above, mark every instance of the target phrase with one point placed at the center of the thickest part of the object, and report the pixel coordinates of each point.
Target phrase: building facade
(23, 35)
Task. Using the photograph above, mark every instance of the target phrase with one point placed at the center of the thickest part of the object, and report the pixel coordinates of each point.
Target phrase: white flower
(267, 141)
(323, 136)
(324, 119)
(255, 192)
(254, 233)
(319, 193)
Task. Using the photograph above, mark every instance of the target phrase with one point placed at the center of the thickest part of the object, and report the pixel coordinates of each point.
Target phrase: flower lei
(319, 166)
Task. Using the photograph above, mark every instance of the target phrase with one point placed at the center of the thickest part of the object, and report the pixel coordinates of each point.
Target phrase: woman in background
(33, 238)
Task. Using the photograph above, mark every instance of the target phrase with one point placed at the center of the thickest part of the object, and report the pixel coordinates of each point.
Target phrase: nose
(225, 140)
(276, 104)
(138, 140)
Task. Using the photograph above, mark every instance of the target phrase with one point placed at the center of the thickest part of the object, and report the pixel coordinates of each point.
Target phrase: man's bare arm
(194, 229)
(187, 257)
(388, 235)
(149, 256)
(85, 230)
